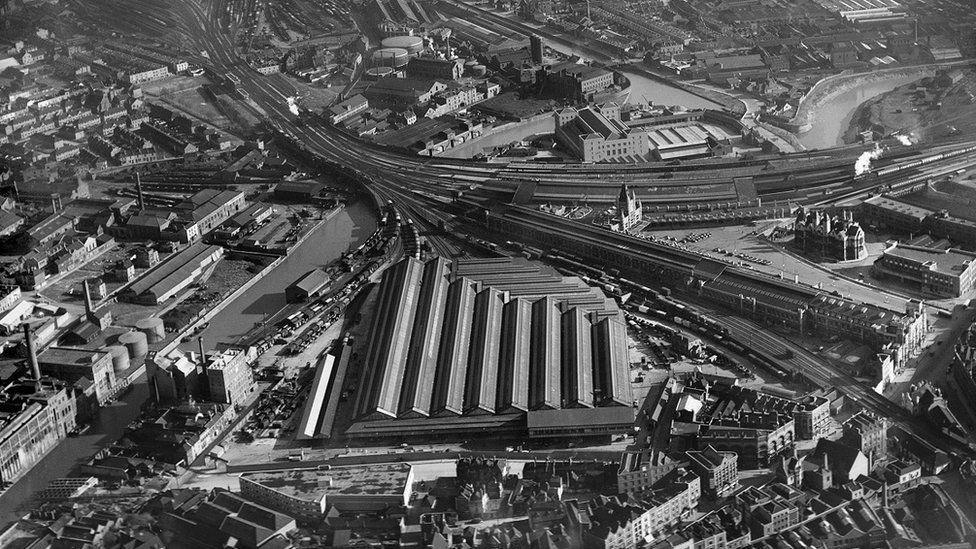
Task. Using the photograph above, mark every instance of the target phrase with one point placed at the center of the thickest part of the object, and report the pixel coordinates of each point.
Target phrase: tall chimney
(32, 352)
(203, 356)
(142, 203)
(89, 306)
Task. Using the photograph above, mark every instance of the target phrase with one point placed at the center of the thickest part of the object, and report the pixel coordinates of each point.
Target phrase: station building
(829, 237)
(492, 346)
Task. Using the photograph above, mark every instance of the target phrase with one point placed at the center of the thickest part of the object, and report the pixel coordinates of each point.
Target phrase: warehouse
(475, 345)
(299, 191)
(173, 275)
(311, 284)
(679, 142)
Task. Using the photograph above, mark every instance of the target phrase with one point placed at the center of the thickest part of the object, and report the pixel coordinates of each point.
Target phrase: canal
(832, 118)
(350, 227)
(644, 90)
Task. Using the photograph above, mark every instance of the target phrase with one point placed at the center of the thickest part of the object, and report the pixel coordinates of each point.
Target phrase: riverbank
(924, 109)
(830, 87)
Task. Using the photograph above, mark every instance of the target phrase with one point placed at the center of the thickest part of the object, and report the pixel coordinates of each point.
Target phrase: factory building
(596, 134)
(492, 345)
(206, 210)
(229, 376)
(76, 365)
(223, 376)
(575, 81)
(435, 69)
(173, 275)
(35, 415)
(946, 273)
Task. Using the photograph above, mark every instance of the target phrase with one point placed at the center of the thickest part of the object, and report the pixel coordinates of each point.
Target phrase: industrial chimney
(89, 306)
(204, 384)
(203, 356)
(32, 352)
(142, 203)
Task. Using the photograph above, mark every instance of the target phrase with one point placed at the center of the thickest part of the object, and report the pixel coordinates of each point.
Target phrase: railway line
(415, 183)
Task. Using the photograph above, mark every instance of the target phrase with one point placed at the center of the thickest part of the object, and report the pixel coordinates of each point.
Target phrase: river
(832, 118)
(349, 227)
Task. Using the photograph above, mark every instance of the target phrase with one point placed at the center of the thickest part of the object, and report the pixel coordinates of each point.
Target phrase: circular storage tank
(153, 328)
(390, 57)
(479, 70)
(412, 44)
(136, 343)
(120, 358)
(376, 73)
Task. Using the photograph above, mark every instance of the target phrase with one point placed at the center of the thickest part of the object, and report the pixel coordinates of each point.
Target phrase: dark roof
(840, 457)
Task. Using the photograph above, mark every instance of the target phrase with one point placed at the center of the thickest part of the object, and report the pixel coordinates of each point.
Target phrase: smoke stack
(89, 306)
(32, 352)
(203, 356)
(142, 203)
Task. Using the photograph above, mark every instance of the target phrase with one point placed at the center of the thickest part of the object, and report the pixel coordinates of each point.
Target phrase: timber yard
(506, 274)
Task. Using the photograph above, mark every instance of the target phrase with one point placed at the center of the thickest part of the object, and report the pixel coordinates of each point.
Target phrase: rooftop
(371, 480)
(950, 262)
(70, 356)
(898, 206)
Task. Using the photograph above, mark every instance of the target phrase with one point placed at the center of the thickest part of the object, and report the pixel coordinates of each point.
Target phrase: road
(73, 451)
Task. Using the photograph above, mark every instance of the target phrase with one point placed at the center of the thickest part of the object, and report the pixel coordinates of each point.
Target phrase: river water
(349, 227)
(834, 115)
